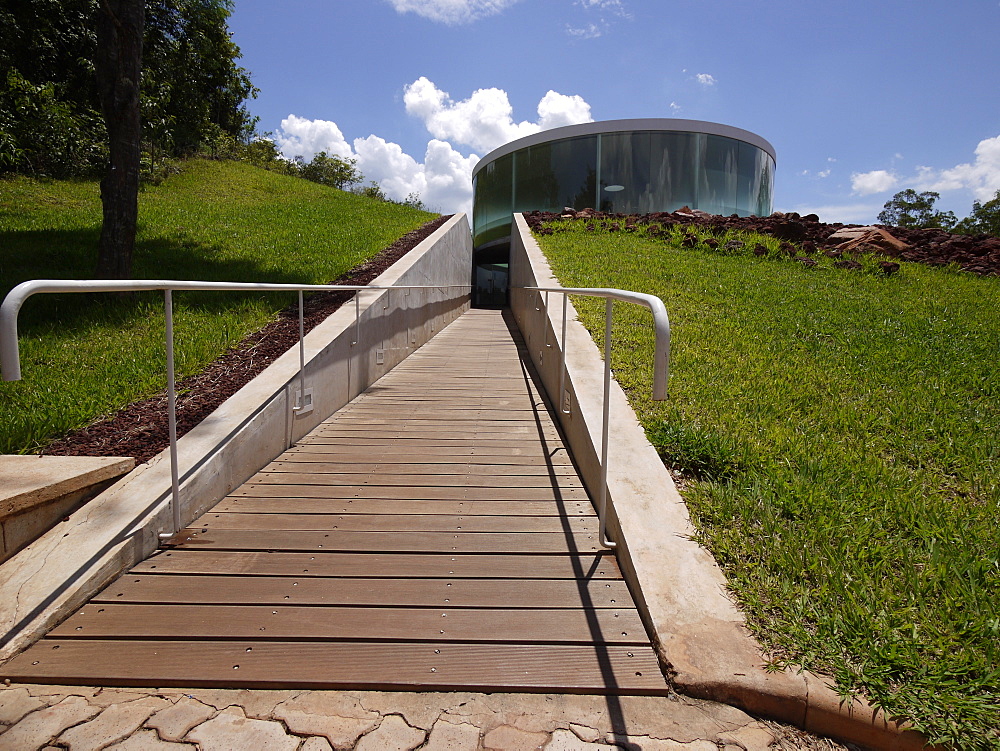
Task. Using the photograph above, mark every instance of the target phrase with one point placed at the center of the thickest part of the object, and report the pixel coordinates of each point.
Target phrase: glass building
(619, 166)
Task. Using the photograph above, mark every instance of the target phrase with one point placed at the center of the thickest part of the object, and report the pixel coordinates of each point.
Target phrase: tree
(192, 90)
(911, 209)
(330, 169)
(118, 63)
(984, 219)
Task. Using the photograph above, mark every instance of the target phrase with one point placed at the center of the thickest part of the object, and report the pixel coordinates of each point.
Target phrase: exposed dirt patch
(977, 254)
(140, 429)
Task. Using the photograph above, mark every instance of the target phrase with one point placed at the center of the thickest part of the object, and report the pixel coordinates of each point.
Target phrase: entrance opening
(490, 270)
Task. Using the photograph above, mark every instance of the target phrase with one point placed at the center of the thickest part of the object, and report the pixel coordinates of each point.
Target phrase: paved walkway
(49, 717)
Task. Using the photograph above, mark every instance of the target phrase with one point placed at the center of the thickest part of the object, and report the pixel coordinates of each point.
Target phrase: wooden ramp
(432, 535)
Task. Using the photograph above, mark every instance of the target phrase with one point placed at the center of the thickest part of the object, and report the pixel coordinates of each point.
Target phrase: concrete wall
(61, 570)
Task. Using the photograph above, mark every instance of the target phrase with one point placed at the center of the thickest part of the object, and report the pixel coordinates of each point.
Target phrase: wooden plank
(299, 466)
(465, 447)
(355, 665)
(445, 454)
(372, 506)
(416, 481)
(368, 592)
(410, 493)
(455, 442)
(217, 622)
(385, 522)
(388, 458)
(399, 542)
(594, 566)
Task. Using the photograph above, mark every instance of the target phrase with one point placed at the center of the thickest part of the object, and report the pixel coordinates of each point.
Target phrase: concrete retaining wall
(58, 572)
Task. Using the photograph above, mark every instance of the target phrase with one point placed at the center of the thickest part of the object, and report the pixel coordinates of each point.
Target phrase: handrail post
(175, 500)
(603, 501)
(302, 357)
(562, 373)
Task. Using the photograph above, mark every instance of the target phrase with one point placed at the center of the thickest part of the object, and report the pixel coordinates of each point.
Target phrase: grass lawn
(842, 432)
(84, 356)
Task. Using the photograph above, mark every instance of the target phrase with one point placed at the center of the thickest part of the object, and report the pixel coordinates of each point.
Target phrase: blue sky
(859, 99)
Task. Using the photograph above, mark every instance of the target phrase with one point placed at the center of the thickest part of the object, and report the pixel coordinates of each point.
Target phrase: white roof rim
(616, 126)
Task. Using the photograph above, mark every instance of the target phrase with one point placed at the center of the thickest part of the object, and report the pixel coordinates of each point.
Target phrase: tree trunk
(119, 65)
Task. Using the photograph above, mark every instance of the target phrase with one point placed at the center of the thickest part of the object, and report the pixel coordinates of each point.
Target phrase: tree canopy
(984, 219)
(916, 210)
(192, 89)
(911, 209)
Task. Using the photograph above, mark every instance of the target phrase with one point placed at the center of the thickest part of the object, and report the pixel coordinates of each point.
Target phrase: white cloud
(675, 108)
(590, 31)
(849, 213)
(301, 137)
(452, 12)
(705, 79)
(484, 120)
(876, 181)
(556, 110)
(444, 178)
(823, 173)
(981, 177)
(615, 7)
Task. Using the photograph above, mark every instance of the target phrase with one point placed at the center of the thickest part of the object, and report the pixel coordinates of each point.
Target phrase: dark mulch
(140, 429)
(977, 254)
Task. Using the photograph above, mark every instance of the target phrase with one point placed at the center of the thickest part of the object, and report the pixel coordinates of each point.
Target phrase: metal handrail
(661, 366)
(10, 359)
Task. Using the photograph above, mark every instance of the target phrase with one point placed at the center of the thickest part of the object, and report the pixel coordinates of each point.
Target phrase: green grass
(84, 356)
(842, 429)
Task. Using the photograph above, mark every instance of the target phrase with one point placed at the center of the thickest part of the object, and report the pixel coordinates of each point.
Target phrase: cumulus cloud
(981, 177)
(876, 181)
(705, 79)
(299, 136)
(485, 120)
(452, 12)
(444, 178)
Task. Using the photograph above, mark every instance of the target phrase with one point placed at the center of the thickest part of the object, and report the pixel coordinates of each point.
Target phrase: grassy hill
(839, 434)
(87, 355)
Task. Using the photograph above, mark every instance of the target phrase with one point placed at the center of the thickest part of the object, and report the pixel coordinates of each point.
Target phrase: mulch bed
(140, 429)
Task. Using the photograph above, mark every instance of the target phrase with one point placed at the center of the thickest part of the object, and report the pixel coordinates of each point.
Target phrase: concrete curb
(62, 569)
(698, 632)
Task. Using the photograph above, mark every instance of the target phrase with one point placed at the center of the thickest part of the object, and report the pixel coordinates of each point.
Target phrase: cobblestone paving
(89, 718)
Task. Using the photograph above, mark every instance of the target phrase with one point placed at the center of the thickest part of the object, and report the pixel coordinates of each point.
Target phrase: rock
(230, 729)
(115, 723)
(789, 230)
(392, 735)
(15, 703)
(889, 267)
(507, 738)
(38, 727)
(174, 722)
(448, 736)
(875, 238)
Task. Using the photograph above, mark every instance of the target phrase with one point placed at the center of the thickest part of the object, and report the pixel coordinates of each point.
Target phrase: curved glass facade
(623, 166)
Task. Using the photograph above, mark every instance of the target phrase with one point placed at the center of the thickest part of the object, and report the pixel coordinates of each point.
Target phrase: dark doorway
(490, 270)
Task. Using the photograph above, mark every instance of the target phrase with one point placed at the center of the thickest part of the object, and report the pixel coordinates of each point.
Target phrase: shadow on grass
(72, 254)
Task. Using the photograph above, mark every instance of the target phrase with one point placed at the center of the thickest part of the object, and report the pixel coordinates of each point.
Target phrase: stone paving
(90, 718)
